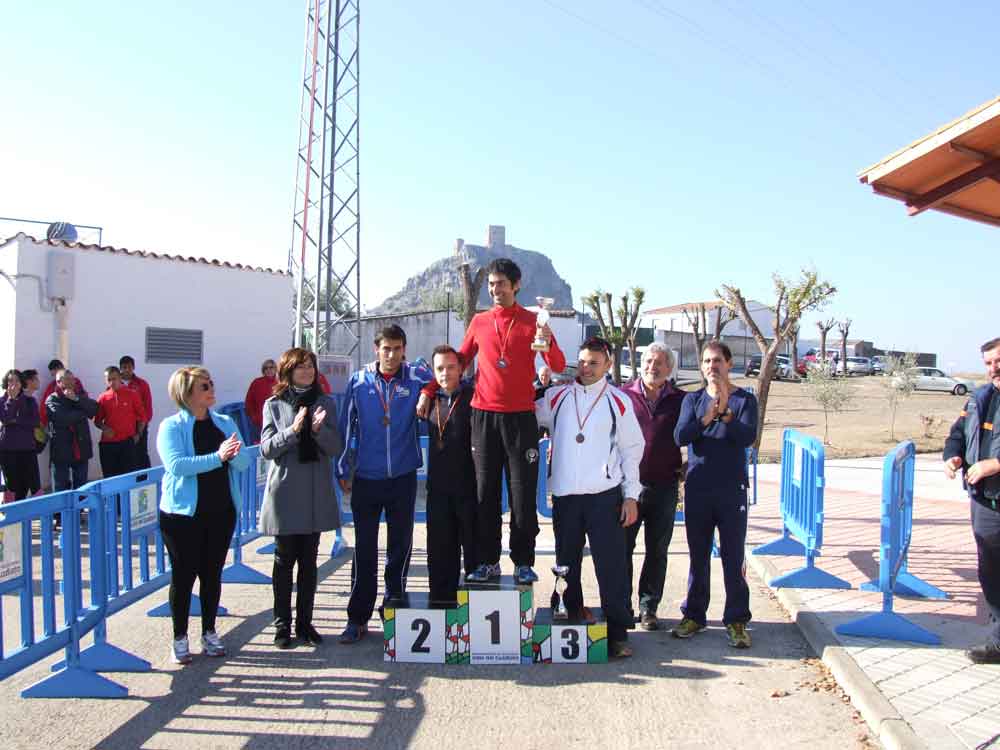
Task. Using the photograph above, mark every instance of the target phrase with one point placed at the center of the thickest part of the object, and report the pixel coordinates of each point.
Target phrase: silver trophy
(541, 342)
(559, 611)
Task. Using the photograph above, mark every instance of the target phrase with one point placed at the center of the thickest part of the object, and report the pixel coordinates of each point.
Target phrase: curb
(884, 720)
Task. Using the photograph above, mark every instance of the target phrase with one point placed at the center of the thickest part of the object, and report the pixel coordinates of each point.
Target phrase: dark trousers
(118, 457)
(17, 471)
(69, 476)
(197, 546)
(595, 517)
(451, 527)
(141, 451)
(369, 499)
(291, 550)
(703, 514)
(657, 508)
(986, 530)
(506, 441)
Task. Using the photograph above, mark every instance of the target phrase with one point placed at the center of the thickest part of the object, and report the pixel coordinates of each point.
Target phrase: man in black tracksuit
(451, 478)
(973, 449)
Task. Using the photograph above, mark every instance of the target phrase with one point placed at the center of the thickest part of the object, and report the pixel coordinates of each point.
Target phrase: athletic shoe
(485, 573)
(524, 574)
(180, 651)
(211, 644)
(738, 635)
(648, 621)
(686, 628)
(353, 633)
(988, 653)
(619, 649)
(308, 634)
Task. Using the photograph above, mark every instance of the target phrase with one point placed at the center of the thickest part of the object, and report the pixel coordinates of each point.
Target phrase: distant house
(89, 304)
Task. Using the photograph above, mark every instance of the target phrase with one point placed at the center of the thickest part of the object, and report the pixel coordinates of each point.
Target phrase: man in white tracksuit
(597, 445)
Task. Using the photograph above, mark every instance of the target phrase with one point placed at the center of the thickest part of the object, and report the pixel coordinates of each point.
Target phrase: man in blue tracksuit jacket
(973, 450)
(379, 469)
(717, 424)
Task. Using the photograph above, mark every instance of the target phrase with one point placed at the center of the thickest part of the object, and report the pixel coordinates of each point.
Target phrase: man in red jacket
(260, 390)
(141, 389)
(504, 429)
(119, 417)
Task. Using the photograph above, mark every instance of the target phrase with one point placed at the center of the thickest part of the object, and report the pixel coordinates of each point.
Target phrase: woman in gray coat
(300, 436)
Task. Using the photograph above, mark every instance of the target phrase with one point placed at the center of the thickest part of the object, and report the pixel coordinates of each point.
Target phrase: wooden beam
(947, 208)
(931, 198)
(974, 154)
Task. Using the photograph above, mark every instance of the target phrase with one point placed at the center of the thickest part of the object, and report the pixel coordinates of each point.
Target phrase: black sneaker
(988, 653)
(485, 573)
(353, 633)
(283, 638)
(648, 621)
(308, 634)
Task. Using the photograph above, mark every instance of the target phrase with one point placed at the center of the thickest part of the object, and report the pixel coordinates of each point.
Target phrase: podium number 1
(494, 620)
(425, 630)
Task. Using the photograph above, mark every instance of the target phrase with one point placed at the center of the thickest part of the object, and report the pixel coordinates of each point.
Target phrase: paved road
(694, 694)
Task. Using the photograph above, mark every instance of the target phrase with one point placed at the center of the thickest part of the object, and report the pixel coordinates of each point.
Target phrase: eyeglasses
(208, 386)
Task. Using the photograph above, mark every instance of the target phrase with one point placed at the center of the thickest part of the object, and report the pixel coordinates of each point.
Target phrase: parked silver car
(932, 379)
(859, 366)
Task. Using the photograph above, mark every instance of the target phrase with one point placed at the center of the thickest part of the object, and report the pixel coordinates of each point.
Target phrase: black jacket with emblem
(964, 441)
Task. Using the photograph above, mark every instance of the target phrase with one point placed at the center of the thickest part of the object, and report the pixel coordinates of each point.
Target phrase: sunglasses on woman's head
(207, 386)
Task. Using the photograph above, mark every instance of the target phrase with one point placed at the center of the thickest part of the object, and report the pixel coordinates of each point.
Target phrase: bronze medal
(386, 420)
(579, 437)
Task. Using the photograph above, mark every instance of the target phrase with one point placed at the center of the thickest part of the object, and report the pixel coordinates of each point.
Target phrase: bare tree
(844, 327)
(793, 298)
(795, 347)
(471, 283)
(699, 326)
(723, 317)
(824, 327)
(622, 334)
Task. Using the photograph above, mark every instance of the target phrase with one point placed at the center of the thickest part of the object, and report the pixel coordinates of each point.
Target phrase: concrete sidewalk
(913, 696)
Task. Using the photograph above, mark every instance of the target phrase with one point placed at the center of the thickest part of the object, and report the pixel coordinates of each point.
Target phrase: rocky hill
(426, 290)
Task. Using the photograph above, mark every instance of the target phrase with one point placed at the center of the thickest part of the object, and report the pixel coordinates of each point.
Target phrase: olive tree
(898, 384)
(833, 394)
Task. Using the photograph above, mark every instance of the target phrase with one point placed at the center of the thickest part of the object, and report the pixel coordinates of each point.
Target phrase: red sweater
(141, 389)
(260, 390)
(120, 410)
(511, 388)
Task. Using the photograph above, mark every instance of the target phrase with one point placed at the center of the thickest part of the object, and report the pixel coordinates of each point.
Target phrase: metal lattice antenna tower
(324, 257)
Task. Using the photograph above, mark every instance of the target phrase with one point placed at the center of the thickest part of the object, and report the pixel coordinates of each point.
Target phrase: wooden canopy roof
(955, 169)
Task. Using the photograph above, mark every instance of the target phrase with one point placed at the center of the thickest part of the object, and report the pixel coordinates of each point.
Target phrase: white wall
(763, 317)
(245, 316)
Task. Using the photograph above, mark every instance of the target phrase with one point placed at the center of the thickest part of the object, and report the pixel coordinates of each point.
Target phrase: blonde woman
(200, 450)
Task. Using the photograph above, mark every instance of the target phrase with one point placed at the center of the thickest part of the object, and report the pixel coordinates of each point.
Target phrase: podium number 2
(494, 620)
(571, 650)
(425, 630)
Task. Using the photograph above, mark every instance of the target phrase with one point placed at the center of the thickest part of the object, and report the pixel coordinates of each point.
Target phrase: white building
(89, 305)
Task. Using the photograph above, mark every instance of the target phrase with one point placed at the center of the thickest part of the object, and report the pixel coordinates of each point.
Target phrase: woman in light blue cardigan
(199, 501)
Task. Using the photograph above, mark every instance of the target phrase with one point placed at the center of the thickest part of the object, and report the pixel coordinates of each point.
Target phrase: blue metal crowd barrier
(802, 485)
(893, 578)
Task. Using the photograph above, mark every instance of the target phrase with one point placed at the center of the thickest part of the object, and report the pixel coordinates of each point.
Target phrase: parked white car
(932, 379)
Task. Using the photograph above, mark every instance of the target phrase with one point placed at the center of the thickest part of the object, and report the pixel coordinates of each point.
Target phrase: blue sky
(654, 142)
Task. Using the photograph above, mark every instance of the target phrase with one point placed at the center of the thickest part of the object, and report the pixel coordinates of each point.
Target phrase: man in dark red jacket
(141, 389)
(260, 390)
(504, 428)
(55, 367)
(657, 405)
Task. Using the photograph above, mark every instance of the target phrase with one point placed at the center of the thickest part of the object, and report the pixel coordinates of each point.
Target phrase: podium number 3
(425, 630)
(494, 619)
(572, 648)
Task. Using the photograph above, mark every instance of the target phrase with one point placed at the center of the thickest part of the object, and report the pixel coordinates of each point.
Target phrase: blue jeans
(657, 509)
(69, 476)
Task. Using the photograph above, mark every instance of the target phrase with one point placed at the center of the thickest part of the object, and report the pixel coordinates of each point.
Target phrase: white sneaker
(211, 644)
(180, 652)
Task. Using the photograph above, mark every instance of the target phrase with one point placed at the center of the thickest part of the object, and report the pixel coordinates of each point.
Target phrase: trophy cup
(559, 611)
(541, 343)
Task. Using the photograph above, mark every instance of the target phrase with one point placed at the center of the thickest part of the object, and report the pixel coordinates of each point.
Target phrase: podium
(489, 623)
(569, 641)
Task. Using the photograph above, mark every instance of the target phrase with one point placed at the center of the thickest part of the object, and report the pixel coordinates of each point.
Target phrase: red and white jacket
(612, 445)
